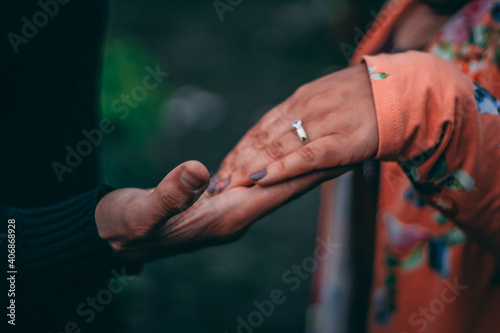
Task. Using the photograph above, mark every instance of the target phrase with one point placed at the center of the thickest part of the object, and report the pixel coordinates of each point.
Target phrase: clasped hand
(179, 215)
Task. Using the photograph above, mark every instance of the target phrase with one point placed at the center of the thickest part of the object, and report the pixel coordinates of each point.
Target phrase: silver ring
(301, 132)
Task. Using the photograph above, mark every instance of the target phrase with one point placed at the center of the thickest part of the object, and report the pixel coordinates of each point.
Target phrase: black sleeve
(58, 246)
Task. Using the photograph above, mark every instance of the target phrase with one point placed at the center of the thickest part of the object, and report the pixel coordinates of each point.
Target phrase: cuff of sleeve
(59, 245)
(389, 120)
(416, 96)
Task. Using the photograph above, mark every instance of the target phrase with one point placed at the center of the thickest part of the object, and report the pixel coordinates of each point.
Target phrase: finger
(324, 153)
(179, 189)
(257, 158)
(266, 128)
(259, 138)
(258, 201)
(283, 146)
(276, 195)
(271, 144)
(217, 219)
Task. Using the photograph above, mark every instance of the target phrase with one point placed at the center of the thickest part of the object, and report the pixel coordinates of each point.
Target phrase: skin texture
(338, 114)
(269, 167)
(179, 215)
(142, 225)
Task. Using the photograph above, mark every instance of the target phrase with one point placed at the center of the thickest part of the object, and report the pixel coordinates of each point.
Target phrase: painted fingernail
(258, 175)
(190, 181)
(213, 184)
(222, 184)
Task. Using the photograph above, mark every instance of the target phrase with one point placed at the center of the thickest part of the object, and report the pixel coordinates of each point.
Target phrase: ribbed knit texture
(58, 246)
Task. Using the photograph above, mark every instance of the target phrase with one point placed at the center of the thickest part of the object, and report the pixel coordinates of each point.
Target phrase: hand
(130, 215)
(338, 114)
(142, 225)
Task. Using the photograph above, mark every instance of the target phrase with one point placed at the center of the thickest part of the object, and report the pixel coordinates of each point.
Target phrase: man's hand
(337, 112)
(130, 215)
(142, 225)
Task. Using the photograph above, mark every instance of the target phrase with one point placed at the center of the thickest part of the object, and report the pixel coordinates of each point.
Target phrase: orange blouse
(437, 241)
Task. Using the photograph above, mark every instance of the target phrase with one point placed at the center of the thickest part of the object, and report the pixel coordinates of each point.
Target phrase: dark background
(223, 75)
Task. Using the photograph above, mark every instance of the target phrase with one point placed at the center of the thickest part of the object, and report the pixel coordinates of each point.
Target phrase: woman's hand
(142, 225)
(337, 112)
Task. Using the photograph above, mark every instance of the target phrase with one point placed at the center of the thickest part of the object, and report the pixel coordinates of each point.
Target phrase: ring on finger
(301, 132)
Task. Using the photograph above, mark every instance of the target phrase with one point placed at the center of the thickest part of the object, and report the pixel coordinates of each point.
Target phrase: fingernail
(258, 175)
(213, 184)
(223, 184)
(190, 182)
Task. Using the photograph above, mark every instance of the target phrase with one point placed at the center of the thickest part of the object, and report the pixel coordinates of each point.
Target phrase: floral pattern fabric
(438, 210)
(471, 41)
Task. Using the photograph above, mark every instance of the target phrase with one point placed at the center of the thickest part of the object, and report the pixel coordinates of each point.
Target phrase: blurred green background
(223, 76)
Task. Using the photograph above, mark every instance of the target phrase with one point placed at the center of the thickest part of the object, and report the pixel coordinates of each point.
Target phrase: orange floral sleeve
(443, 129)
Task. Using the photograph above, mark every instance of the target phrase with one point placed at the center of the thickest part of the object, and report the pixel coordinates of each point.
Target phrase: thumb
(180, 188)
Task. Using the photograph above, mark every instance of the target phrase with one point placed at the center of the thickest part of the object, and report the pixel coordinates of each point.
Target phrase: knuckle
(170, 203)
(245, 156)
(270, 117)
(275, 150)
(230, 167)
(137, 231)
(260, 140)
(315, 99)
(301, 90)
(308, 154)
(243, 171)
(281, 166)
(264, 135)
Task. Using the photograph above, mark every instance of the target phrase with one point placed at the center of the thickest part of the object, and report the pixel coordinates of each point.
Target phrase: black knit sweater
(51, 92)
(58, 245)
